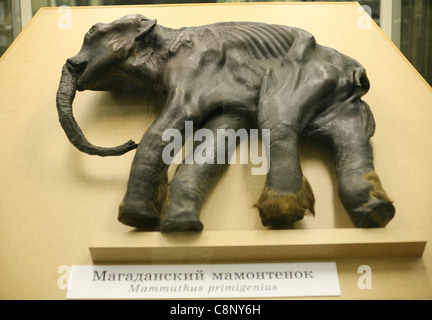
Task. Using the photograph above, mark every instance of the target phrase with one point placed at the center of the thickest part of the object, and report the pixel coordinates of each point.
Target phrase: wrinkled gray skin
(230, 75)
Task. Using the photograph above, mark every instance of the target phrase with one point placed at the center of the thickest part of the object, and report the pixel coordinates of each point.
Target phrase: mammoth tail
(360, 81)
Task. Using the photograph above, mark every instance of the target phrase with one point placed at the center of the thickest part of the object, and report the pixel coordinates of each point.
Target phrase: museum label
(262, 280)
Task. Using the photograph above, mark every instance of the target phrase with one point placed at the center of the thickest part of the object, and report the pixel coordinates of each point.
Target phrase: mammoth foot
(182, 222)
(377, 213)
(138, 216)
(365, 200)
(279, 210)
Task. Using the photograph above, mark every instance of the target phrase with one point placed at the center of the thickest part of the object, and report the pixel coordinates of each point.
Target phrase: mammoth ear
(145, 29)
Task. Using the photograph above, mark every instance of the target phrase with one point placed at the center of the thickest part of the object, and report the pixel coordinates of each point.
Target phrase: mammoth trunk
(65, 97)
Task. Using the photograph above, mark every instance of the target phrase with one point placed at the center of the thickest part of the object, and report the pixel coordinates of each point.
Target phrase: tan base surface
(56, 202)
(250, 246)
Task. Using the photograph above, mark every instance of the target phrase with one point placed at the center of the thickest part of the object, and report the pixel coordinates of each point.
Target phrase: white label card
(262, 280)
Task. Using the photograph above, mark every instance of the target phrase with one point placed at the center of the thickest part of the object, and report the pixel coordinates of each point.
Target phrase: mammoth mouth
(77, 69)
(92, 78)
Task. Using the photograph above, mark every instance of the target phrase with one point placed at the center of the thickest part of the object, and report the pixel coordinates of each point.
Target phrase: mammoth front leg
(349, 127)
(147, 183)
(191, 182)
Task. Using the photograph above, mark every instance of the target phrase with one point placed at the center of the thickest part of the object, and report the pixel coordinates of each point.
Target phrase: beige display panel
(59, 207)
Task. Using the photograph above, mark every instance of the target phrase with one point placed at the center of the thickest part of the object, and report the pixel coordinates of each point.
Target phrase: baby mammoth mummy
(233, 75)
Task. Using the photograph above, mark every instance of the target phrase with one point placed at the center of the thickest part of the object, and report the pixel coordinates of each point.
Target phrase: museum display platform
(59, 207)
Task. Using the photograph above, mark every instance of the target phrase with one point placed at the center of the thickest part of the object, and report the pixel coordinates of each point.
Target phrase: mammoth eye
(92, 29)
(98, 28)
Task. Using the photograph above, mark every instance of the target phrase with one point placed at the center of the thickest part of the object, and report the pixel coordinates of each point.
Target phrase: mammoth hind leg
(349, 128)
(290, 97)
(191, 182)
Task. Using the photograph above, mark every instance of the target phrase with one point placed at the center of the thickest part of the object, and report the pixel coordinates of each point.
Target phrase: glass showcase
(10, 24)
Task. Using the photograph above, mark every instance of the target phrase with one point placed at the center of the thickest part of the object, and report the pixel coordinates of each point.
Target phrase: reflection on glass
(5, 26)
